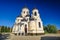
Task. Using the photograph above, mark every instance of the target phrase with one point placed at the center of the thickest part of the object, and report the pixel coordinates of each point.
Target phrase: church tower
(35, 13)
(26, 24)
(39, 25)
(25, 12)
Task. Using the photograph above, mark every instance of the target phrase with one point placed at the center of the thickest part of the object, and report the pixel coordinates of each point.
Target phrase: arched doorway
(25, 29)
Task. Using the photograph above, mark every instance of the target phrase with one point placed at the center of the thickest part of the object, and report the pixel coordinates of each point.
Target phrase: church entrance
(25, 29)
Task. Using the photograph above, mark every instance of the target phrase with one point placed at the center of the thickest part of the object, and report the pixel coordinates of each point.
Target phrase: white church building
(28, 24)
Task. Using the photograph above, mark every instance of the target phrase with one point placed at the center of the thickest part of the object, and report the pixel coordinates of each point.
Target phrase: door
(25, 29)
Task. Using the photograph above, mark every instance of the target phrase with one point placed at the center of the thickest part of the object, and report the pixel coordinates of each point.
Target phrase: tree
(51, 28)
(45, 29)
(5, 29)
(2, 29)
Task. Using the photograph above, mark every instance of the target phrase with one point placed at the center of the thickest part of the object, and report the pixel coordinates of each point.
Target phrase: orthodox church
(28, 24)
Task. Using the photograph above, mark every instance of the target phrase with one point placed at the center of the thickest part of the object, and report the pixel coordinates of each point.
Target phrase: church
(26, 24)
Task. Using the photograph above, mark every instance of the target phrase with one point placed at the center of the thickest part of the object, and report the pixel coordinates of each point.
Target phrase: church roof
(31, 19)
(19, 16)
(23, 20)
(34, 8)
(27, 16)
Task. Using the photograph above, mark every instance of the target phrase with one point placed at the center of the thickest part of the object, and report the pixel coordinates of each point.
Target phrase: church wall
(22, 29)
(32, 25)
(41, 25)
(18, 20)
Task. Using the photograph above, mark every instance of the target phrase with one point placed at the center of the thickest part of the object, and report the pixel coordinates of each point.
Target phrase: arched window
(25, 25)
(27, 12)
(35, 13)
(39, 24)
(24, 11)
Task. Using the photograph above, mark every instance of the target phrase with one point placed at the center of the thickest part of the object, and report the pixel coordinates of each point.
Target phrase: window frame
(35, 13)
(39, 24)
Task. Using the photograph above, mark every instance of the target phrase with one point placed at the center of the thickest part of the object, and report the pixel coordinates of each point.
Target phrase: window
(27, 12)
(27, 19)
(35, 13)
(25, 25)
(24, 11)
(39, 24)
(18, 20)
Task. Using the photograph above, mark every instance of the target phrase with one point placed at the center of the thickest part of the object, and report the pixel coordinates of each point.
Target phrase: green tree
(45, 29)
(2, 29)
(5, 29)
(51, 28)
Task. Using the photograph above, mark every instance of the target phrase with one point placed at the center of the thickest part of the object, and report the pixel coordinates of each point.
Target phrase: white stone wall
(37, 19)
(18, 20)
(31, 24)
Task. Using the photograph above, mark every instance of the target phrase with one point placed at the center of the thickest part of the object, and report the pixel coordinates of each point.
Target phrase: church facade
(26, 24)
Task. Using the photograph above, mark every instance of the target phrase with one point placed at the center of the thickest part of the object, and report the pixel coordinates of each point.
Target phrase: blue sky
(49, 11)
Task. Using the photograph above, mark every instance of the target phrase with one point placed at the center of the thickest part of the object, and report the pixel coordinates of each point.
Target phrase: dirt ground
(9, 36)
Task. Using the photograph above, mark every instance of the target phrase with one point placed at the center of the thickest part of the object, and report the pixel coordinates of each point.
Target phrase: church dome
(35, 10)
(25, 11)
(25, 8)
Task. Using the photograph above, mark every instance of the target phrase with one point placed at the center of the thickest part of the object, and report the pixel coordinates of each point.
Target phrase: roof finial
(25, 6)
(34, 8)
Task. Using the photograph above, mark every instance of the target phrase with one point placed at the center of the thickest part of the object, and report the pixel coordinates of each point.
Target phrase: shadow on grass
(4, 36)
(50, 38)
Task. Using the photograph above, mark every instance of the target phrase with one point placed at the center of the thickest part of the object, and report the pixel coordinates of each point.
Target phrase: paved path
(4, 36)
(40, 37)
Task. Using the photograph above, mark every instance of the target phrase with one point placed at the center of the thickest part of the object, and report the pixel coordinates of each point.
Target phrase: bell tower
(35, 13)
(37, 20)
(25, 11)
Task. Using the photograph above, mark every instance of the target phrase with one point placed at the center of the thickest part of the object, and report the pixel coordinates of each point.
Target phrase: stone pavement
(39, 37)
